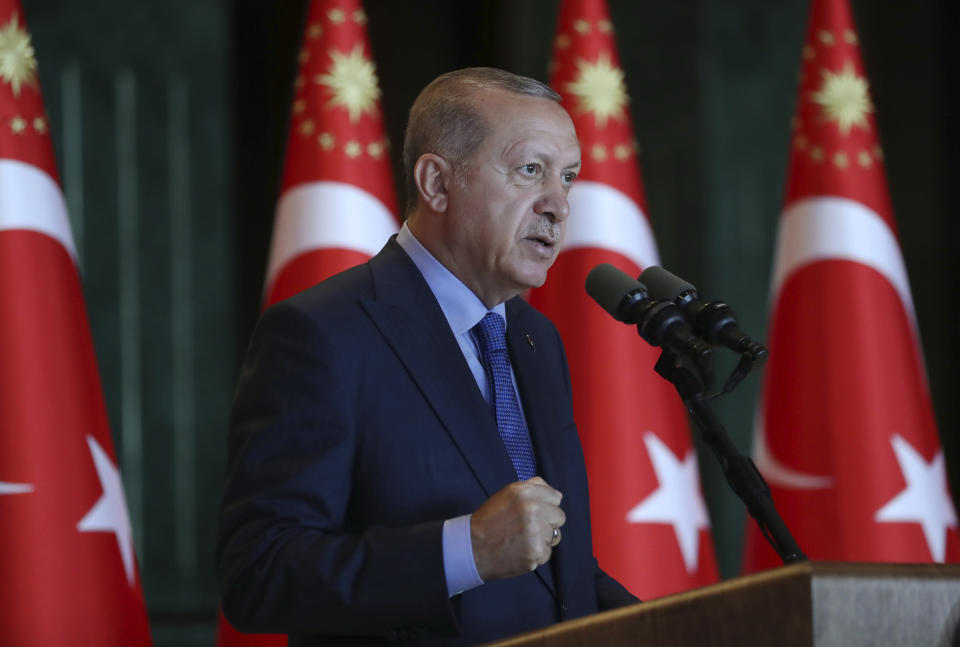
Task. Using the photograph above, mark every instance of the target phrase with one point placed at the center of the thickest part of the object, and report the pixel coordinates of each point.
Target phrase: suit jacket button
(563, 610)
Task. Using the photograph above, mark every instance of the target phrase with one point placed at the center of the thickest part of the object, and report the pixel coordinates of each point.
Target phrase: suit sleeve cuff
(459, 566)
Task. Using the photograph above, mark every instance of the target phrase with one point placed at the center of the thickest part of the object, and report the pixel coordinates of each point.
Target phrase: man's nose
(553, 202)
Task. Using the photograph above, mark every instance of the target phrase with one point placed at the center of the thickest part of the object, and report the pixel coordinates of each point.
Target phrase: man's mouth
(546, 242)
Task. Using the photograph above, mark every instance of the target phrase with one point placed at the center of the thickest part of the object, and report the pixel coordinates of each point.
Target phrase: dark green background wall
(169, 124)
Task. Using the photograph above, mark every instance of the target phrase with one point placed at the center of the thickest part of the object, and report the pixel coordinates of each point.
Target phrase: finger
(555, 535)
(537, 480)
(548, 515)
(559, 518)
(538, 489)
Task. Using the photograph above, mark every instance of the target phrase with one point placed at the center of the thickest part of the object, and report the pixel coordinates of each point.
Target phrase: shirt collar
(462, 308)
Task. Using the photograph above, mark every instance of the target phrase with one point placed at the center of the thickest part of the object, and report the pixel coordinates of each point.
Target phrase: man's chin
(535, 279)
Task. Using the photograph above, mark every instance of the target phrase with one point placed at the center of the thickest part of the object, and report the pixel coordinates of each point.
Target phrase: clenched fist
(513, 532)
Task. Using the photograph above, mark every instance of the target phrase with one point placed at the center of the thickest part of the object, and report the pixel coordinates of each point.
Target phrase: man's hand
(513, 532)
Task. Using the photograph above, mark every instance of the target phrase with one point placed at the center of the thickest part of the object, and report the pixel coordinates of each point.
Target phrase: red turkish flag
(337, 206)
(846, 436)
(67, 560)
(650, 525)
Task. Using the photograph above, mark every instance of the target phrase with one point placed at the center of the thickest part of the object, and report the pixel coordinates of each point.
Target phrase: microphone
(714, 321)
(660, 323)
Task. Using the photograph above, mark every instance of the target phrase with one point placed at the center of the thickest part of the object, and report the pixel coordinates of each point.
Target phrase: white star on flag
(677, 501)
(109, 513)
(925, 500)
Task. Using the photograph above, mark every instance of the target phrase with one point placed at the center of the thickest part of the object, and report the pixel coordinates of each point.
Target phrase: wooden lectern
(810, 604)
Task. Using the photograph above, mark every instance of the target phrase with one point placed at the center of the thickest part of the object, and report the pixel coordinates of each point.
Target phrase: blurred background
(169, 122)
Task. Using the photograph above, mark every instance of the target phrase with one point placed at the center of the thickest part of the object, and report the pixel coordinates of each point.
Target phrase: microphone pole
(741, 473)
(627, 300)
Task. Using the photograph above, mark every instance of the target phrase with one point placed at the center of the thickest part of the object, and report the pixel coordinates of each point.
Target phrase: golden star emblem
(18, 66)
(353, 80)
(326, 141)
(600, 89)
(844, 98)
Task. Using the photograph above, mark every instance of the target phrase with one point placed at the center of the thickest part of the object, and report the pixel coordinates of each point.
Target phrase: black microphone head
(614, 290)
(664, 285)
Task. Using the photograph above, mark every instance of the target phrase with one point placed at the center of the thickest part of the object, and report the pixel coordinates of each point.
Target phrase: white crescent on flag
(325, 214)
(605, 218)
(15, 488)
(818, 229)
(31, 199)
(832, 228)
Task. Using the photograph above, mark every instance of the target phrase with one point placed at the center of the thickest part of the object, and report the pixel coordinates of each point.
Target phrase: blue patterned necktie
(491, 334)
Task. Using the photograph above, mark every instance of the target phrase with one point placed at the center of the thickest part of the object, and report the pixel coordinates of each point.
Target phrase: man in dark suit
(401, 467)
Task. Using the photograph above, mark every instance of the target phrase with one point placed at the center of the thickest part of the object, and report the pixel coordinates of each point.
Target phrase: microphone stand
(740, 472)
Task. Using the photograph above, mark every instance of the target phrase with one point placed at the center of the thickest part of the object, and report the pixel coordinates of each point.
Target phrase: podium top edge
(886, 569)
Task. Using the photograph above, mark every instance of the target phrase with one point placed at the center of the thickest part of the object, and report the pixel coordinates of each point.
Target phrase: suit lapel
(409, 317)
(538, 390)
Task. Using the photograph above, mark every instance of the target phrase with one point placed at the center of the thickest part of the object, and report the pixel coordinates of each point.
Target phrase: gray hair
(444, 121)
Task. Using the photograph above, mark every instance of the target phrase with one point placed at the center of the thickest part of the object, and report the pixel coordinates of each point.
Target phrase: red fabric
(312, 267)
(845, 378)
(831, 21)
(62, 584)
(328, 143)
(617, 396)
(24, 127)
(328, 33)
(317, 150)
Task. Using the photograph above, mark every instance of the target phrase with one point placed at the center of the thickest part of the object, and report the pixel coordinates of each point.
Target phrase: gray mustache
(544, 228)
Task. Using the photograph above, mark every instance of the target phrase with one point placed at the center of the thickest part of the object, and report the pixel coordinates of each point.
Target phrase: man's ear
(433, 174)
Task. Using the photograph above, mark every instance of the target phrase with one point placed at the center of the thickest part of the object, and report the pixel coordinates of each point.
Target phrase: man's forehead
(565, 151)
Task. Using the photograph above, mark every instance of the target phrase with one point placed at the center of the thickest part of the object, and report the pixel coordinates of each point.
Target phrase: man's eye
(530, 169)
(569, 177)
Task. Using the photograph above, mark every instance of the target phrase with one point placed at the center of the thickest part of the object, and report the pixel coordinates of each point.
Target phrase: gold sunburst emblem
(18, 66)
(845, 98)
(600, 89)
(353, 80)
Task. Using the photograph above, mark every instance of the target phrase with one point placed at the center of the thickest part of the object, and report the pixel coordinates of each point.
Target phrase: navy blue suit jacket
(357, 429)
